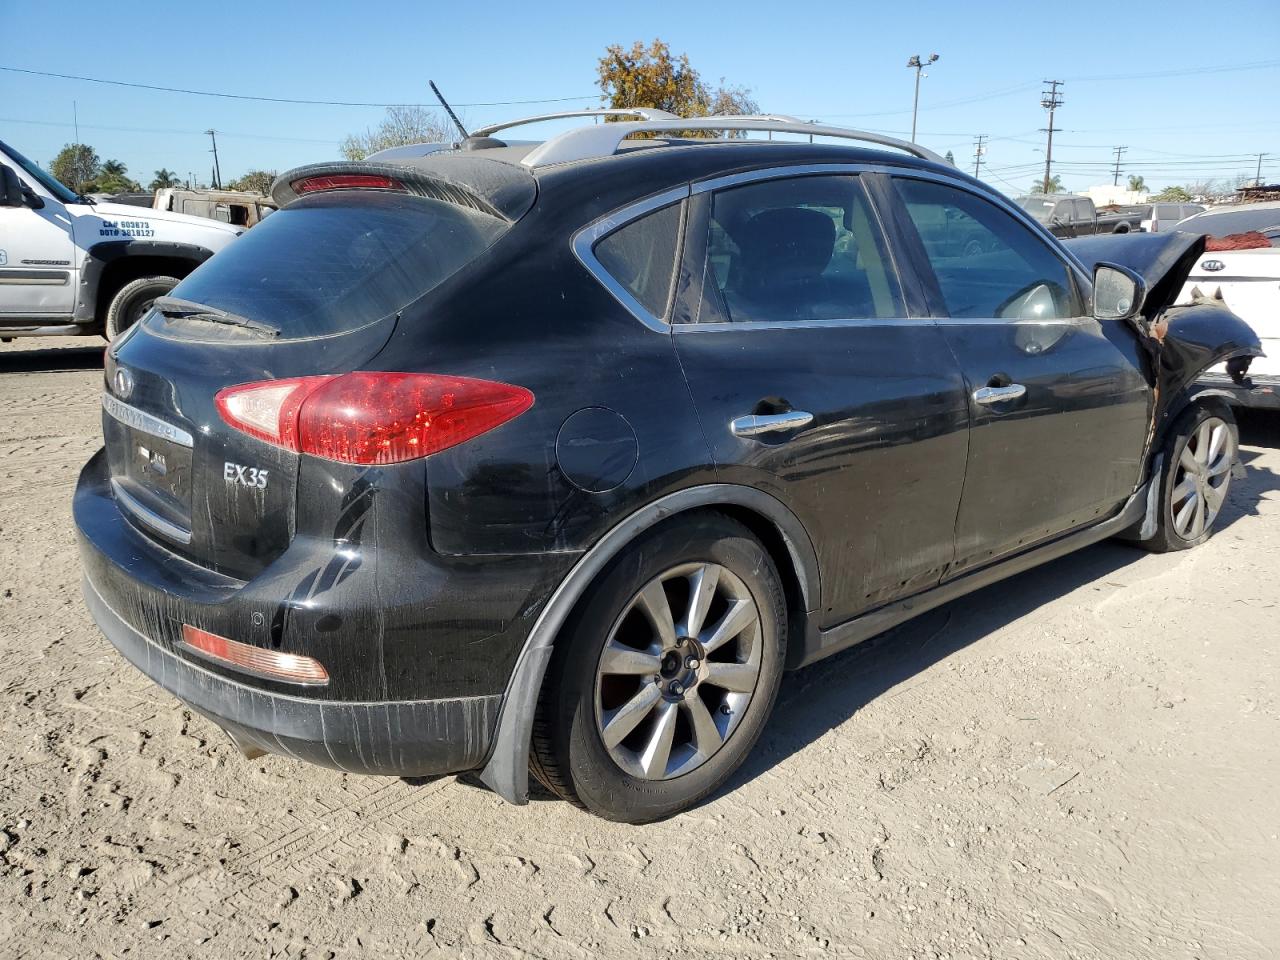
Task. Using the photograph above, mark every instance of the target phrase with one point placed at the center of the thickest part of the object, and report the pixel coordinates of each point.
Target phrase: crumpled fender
(1163, 260)
(1183, 341)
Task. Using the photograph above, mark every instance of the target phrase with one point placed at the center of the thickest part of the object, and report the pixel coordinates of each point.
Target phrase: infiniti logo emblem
(1213, 266)
(123, 383)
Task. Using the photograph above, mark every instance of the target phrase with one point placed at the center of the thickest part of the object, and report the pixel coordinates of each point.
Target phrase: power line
(245, 96)
(169, 131)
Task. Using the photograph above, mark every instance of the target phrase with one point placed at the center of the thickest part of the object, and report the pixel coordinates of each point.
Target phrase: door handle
(758, 423)
(989, 395)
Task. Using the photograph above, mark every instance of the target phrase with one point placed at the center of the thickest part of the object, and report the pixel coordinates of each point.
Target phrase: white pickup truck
(71, 266)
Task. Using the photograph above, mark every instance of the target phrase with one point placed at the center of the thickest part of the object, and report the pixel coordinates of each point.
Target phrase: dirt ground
(1083, 761)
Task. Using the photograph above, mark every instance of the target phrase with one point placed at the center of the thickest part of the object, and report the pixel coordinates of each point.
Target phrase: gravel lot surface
(1083, 761)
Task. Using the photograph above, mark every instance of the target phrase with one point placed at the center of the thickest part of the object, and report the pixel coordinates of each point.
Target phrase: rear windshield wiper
(190, 310)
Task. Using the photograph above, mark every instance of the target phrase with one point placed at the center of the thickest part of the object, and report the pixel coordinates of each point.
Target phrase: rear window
(1262, 219)
(642, 257)
(331, 263)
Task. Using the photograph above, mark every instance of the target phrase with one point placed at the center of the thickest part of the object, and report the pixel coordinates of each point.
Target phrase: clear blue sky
(842, 62)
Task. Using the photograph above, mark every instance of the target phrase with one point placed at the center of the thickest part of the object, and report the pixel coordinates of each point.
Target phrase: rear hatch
(315, 289)
(1248, 282)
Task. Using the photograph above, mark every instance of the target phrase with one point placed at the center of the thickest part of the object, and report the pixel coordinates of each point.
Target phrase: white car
(1249, 282)
(1164, 215)
(70, 265)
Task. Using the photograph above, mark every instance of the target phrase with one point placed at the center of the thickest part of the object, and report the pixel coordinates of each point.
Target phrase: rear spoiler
(491, 187)
(1163, 260)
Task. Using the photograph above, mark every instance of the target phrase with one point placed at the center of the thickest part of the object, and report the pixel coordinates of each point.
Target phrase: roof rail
(644, 113)
(603, 140)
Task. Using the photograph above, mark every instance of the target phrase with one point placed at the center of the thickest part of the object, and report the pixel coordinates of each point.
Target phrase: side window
(1084, 212)
(799, 248)
(641, 256)
(987, 263)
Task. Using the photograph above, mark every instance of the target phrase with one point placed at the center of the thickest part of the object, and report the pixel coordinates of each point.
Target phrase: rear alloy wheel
(132, 301)
(1200, 454)
(671, 687)
(662, 680)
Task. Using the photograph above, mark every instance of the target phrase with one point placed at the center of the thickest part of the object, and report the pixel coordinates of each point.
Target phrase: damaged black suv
(554, 456)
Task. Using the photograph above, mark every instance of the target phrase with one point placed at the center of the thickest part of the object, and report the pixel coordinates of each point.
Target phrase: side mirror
(10, 188)
(1118, 292)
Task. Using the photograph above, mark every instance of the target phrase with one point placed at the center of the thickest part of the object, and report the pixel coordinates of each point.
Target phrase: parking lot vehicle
(1247, 279)
(557, 456)
(69, 265)
(1165, 216)
(237, 207)
(1074, 215)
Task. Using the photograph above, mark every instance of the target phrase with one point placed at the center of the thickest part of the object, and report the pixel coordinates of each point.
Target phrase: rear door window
(1009, 273)
(331, 263)
(799, 249)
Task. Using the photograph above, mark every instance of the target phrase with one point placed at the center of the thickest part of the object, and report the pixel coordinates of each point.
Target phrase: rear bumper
(406, 738)
(1259, 393)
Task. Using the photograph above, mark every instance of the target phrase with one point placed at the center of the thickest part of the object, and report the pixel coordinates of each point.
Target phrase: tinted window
(334, 262)
(642, 257)
(1038, 207)
(987, 263)
(1224, 223)
(802, 248)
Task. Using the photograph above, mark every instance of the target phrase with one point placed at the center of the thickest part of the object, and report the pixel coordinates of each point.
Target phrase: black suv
(555, 456)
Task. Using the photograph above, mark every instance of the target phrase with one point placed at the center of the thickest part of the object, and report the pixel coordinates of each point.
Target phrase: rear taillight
(371, 417)
(346, 181)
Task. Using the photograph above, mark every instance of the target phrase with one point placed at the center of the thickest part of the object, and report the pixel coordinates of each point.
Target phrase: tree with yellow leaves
(651, 77)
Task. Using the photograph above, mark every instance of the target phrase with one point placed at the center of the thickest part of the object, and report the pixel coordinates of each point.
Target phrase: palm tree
(1137, 184)
(164, 179)
(114, 178)
(1055, 185)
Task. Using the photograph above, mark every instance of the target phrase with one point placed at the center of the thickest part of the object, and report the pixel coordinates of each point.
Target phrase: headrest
(790, 243)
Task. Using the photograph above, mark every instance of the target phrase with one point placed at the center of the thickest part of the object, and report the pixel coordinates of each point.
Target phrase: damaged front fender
(1182, 341)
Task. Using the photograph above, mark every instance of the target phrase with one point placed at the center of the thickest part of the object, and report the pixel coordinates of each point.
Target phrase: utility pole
(75, 117)
(978, 151)
(1115, 182)
(217, 170)
(1051, 100)
(919, 64)
(1257, 180)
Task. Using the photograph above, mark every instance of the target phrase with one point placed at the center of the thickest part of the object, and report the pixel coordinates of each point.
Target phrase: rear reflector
(270, 664)
(346, 181)
(370, 417)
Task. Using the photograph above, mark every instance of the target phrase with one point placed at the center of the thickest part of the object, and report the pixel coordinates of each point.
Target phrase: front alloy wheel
(1201, 478)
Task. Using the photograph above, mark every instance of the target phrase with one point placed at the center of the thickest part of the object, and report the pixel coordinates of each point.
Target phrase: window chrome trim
(147, 516)
(140, 420)
(585, 240)
(975, 187)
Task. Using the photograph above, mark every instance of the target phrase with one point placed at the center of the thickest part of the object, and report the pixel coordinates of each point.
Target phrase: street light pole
(919, 64)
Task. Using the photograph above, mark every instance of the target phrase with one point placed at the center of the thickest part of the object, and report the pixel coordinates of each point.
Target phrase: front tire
(132, 301)
(664, 677)
(1199, 455)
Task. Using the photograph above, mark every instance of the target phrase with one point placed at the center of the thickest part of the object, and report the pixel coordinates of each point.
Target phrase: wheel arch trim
(101, 255)
(506, 770)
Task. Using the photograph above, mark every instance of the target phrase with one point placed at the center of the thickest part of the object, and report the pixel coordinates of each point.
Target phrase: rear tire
(132, 301)
(1199, 454)
(698, 689)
